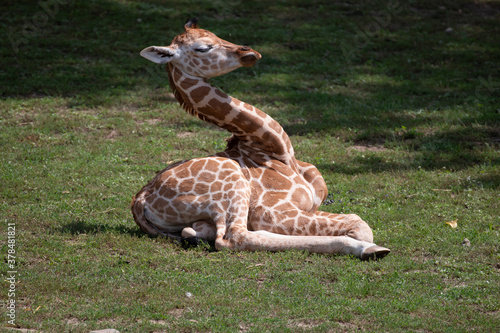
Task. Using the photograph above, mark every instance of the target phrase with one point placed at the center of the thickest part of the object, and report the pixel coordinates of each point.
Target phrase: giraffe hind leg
(201, 230)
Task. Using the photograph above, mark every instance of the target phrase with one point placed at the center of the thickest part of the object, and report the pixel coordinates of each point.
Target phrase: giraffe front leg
(265, 241)
(235, 235)
(344, 224)
(336, 227)
(295, 222)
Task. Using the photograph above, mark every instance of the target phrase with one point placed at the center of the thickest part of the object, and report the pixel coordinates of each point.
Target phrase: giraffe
(254, 195)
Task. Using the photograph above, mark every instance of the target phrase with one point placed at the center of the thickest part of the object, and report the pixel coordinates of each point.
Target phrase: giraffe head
(198, 52)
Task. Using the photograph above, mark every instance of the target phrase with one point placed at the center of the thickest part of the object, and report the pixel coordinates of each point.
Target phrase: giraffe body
(255, 195)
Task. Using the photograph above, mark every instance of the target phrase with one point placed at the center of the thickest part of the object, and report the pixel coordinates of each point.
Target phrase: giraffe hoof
(190, 242)
(375, 252)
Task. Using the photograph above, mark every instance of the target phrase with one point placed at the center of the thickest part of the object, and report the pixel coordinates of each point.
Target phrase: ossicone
(192, 23)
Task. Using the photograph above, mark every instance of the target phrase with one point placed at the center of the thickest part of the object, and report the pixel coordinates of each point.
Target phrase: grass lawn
(396, 102)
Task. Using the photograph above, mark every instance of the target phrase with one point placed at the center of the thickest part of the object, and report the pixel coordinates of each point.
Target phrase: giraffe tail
(138, 211)
(138, 207)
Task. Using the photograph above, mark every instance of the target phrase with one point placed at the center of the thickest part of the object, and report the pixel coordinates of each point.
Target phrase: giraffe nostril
(244, 48)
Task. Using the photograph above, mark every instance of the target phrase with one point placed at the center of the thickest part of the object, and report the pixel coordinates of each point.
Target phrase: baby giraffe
(253, 196)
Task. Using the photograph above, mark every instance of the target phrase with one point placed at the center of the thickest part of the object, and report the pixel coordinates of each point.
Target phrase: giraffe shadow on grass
(80, 227)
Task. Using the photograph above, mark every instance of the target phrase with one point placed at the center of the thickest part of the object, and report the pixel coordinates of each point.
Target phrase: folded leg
(292, 221)
(201, 230)
(263, 240)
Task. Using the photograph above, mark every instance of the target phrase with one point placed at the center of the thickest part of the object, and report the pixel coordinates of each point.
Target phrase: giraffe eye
(204, 48)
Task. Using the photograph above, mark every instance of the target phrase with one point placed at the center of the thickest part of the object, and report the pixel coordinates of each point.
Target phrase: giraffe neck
(256, 131)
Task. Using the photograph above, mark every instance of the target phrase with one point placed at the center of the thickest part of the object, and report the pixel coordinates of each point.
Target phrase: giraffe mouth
(250, 59)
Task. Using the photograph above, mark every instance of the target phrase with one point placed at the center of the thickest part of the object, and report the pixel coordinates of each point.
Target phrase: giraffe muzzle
(250, 58)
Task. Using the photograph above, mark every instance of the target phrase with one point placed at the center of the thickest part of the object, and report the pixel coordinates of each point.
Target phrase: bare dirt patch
(366, 148)
(153, 121)
(75, 321)
(182, 135)
(348, 326)
(305, 324)
(113, 135)
(176, 313)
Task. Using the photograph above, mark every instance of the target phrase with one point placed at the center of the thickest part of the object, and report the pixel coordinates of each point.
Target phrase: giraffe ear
(158, 54)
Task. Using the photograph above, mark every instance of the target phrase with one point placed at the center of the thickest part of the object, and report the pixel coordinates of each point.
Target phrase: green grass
(402, 119)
